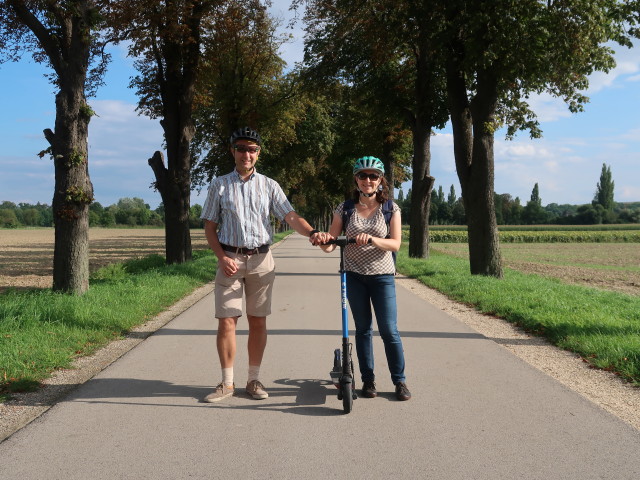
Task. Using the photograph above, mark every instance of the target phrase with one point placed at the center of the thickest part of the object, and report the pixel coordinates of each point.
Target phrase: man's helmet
(368, 163)
(245, 133)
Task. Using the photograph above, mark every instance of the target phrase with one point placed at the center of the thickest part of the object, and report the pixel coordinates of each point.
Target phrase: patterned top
(242, 209)
(367, 259)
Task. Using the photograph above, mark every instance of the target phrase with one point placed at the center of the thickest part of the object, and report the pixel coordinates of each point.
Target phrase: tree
(533, 213)
(165, 36)
(63, 34)
(8, 218)
(387, 47)
(241, 83)
(604, 190)
(497, 53)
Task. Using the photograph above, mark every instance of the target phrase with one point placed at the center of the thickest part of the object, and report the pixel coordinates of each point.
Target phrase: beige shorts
(254, 279)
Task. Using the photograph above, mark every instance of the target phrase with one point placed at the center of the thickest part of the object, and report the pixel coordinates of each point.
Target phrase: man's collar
(253, 173)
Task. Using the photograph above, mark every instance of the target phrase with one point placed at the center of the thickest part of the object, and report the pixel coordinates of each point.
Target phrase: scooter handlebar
(342, 240)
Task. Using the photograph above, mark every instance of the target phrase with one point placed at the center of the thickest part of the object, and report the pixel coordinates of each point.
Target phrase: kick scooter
(342, 373)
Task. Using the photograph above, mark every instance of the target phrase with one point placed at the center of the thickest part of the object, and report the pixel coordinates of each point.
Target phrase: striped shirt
(242, 209)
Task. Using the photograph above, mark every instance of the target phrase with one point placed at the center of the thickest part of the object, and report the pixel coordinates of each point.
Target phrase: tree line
(510, 211)
(378, 77)
(444, 210)
(127, 212)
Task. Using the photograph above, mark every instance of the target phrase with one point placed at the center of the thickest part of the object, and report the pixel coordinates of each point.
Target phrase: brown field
(608, 266)
(26, 257)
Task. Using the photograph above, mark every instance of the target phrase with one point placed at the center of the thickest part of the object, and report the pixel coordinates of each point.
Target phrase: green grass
(41, 331)
(602, 327)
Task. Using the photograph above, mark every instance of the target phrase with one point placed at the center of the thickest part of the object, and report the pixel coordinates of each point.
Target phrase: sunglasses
(370, 176)
(246, 148)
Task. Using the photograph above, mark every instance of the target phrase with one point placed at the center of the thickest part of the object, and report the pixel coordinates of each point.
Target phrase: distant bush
(544, 236)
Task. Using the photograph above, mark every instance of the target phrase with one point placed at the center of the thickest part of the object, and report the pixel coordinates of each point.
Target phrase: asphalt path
(477, 411)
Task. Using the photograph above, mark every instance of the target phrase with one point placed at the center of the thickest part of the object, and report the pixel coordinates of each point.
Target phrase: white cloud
(548, 108)
(627, 63)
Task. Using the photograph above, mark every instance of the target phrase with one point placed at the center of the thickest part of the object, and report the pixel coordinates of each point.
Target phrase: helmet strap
(366, 194)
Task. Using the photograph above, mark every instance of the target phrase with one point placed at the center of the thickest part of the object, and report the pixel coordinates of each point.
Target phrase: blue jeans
(363, 291)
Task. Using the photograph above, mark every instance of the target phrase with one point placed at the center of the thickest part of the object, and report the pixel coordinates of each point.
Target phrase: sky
(566, 162)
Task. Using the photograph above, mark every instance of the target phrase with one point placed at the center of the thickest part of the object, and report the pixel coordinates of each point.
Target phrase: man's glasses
(246, 148)
(370, 176)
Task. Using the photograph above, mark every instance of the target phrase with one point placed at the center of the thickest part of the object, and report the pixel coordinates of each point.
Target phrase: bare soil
(607, 266)
(26, 255)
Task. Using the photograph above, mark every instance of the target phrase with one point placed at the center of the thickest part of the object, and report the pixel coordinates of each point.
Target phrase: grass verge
(41, 330)
(602, 327)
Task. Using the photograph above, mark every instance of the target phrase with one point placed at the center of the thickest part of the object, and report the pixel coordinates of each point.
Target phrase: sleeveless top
(367, 259)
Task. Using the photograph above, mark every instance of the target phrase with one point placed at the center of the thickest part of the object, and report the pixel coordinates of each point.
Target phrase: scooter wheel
(347, 397)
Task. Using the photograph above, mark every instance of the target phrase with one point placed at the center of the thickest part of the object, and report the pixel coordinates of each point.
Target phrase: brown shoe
(402, 392)
(256, 390)
(221, 391)
(369, 389)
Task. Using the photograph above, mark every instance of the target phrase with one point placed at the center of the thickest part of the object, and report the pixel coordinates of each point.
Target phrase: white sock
(227, 376)
(254, 372)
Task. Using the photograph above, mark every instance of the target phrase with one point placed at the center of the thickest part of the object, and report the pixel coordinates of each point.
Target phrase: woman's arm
(334, 231)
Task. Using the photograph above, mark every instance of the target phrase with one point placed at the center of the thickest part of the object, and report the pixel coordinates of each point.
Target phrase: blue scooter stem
(342, 242)
(343, 295)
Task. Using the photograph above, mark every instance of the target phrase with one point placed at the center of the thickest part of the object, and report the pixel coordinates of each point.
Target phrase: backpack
(387, 211)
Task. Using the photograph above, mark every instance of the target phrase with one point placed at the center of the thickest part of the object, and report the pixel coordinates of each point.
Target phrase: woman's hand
(363, 239)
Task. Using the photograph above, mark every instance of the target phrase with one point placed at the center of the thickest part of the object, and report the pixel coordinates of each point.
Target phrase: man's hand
(320, 238)
(228, 266)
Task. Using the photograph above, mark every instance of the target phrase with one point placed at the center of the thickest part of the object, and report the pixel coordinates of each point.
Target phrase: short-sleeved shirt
(242, 209)
(367, 259)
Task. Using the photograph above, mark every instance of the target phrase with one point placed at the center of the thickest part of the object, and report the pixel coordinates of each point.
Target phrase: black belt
(245, 251)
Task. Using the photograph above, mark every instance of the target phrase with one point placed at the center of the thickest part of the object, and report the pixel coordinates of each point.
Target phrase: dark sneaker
(369, 389)
(402, 392)
(221, 391)
(256, 390)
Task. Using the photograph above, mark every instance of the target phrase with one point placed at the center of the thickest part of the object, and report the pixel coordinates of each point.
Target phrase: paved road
(478, 412)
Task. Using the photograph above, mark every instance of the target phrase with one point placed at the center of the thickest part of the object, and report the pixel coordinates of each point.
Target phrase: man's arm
(301, 226)
(226, 264)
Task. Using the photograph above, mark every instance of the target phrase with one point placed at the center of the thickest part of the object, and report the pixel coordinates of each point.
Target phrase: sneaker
(402, 392)
(256, 390)
(369, 389)
(221, 391)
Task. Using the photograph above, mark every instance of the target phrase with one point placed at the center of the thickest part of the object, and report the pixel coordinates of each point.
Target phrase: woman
(370, 271)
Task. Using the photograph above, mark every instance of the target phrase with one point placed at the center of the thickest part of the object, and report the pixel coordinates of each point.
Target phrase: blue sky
(566, 162)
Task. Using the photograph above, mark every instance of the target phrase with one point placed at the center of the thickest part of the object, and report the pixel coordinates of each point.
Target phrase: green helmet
(368, 163)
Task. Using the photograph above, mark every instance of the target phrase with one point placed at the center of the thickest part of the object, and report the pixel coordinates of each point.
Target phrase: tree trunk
(473, 150)
(176, 207)
(177, 67)
(389, 163)
(67, 49)
(421, 186)
(73, 190)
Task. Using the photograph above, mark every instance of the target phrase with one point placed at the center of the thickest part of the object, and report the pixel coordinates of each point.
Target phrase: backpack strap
(347, 210)
(387, 211)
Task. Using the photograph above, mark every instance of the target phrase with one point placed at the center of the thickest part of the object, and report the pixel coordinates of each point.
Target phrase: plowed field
(26, 255)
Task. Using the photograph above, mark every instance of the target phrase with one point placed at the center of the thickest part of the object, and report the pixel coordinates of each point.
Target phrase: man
(238, 229)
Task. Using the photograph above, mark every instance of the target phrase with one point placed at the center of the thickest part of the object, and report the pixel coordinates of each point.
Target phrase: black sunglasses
(370, 176)
(246, 148)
